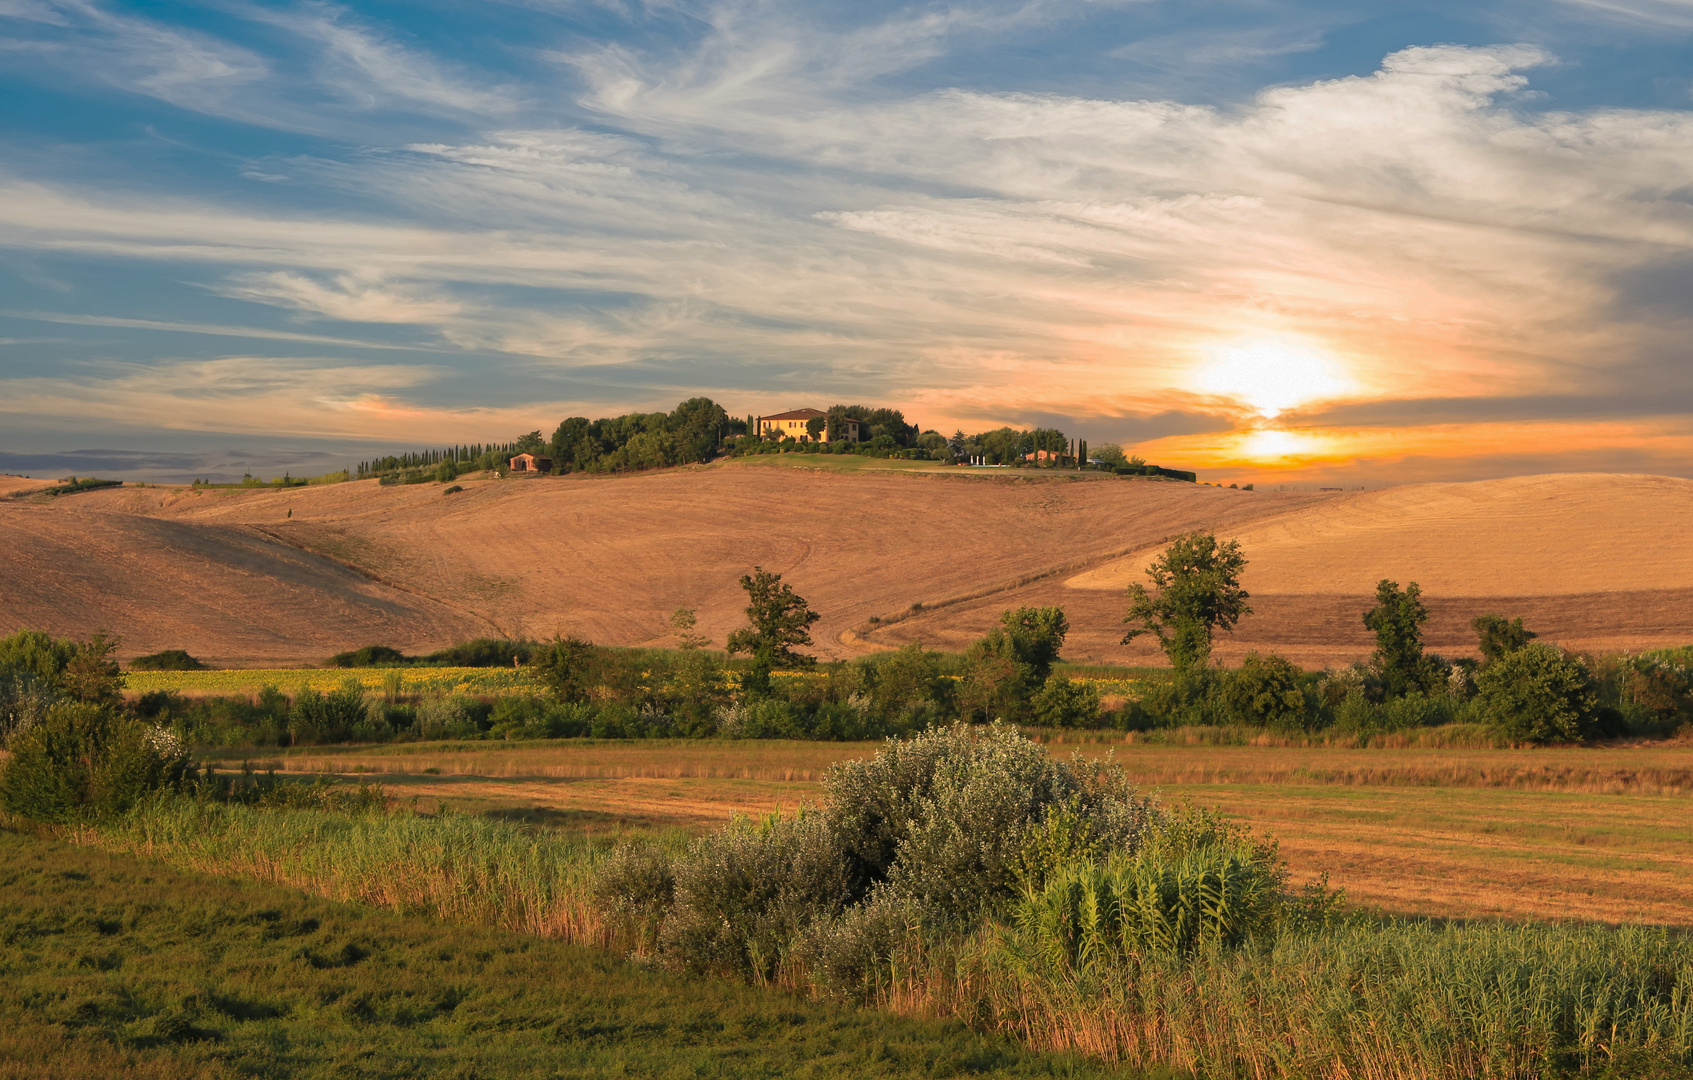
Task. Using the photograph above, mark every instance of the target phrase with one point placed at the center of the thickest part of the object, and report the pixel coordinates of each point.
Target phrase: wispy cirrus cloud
(777, 201)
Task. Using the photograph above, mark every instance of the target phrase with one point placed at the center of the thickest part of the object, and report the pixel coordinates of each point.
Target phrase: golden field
(279, 577)
(1587, 834)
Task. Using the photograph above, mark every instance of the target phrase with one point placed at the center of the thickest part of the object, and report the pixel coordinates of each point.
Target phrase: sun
(1272, 376)
(1271, 444)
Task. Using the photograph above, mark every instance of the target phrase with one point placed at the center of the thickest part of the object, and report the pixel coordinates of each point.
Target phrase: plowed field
(263, 576)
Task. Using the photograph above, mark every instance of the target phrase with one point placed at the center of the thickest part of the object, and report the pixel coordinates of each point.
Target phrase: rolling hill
(264, 576)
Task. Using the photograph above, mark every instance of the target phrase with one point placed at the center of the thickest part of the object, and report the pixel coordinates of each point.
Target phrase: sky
(1272, 241)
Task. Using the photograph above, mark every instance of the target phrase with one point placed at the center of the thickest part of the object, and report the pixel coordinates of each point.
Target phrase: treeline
(1522, 691)
(699, 429)
(470, 457)
(691, 432)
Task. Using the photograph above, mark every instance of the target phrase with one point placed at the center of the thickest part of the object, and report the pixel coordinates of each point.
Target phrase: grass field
(1599, 834)
(121, 967)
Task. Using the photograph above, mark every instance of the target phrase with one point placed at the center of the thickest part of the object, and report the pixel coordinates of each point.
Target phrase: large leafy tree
(1196, 592)
(696, 427)
(779, 621)
(1539, 694)
(1397, 621)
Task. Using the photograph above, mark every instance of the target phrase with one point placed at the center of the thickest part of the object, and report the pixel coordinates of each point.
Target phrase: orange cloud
(1268, 454)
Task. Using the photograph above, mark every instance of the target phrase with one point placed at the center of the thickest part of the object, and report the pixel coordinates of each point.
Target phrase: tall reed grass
(455, 867)
(1364, 1001)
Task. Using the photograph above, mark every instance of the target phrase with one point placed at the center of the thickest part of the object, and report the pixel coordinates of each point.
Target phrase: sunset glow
(316, 231)
(1272, 376)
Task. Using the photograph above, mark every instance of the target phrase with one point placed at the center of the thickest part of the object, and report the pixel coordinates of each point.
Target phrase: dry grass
(607, 558)
(290, 576)
(1595, 834)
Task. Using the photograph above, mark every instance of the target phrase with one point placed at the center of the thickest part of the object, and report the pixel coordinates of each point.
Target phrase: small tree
(696, 684)
(1539, 694)
(1397, 620)
(1008, 667)
(816, 426)
(564, 666)
(682, 622)
(92, 675)
(1496, 638)
(780, 620)
(1198, 592)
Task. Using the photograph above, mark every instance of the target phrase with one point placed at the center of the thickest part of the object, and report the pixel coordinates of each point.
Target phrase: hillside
(287, 576)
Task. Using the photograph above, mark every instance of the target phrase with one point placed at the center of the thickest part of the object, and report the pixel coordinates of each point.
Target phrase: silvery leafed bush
(934, 831)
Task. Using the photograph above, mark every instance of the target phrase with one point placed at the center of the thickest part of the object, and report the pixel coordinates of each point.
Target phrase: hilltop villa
(792, 425)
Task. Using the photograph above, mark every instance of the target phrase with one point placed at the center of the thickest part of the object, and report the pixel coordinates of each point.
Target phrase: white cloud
(370, 70)
(186, 68)
(361, 70)
(345, 297)
(972, 253)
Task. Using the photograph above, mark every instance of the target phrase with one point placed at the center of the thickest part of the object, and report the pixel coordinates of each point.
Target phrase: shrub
(1008, 667)
(760, 718)
(943, 818)
(1062, 703)
(745, 894)
(446, 718)
(370, 656)
(326, 718)
(636, 887)
(84, 763)
(168, 660)
(907, 687)
(1267, 691)
(24, 701)
(33, 653)
(483, 652)
(931, 833)
(565, 666)
(1539, 694)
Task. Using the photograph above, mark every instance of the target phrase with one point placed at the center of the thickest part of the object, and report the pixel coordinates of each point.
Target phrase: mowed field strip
(1589, 834)
(258, 577)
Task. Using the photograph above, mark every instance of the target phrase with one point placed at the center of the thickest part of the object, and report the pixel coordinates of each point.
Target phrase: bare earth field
(281, 577)
(1596, 834)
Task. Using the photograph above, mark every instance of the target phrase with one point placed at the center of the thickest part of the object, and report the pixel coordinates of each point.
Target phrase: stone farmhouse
(531, 463)
(792, 424)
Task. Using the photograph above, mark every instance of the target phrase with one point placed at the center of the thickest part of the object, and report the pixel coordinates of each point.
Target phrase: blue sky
(1319, 241)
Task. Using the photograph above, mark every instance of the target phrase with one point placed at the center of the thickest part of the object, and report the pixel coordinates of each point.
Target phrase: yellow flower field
(425, 681)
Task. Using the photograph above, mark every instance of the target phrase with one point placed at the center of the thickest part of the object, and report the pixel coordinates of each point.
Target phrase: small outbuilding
(531, 463)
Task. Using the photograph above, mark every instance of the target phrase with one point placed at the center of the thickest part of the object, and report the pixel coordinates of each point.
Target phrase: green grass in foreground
(118, 967)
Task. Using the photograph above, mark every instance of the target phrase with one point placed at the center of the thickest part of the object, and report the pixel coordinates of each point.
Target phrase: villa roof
(794, 414)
